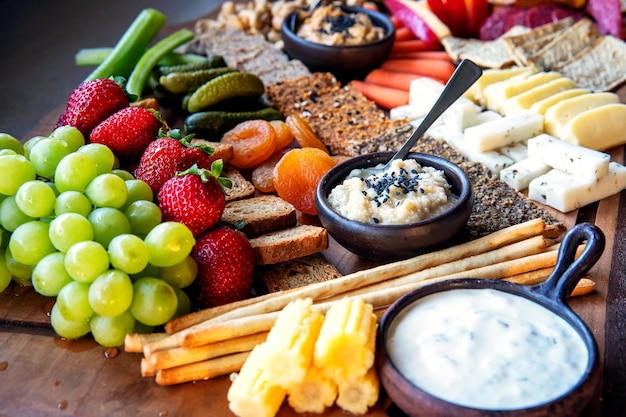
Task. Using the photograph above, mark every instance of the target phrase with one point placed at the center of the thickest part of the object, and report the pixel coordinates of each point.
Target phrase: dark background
(38, 41)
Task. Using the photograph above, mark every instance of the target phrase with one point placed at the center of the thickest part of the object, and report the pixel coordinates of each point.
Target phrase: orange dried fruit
(297, 174)
(253, 141)
(284, 137)
(301, 130)
(262, 175)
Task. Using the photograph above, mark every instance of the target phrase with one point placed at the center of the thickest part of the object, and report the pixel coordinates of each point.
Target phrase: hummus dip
(330, 25)
(404, 193)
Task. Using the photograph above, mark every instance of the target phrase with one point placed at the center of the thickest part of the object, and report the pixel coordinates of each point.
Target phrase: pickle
(187, 82)
(234, 84)
(213, 124)
(212, 61)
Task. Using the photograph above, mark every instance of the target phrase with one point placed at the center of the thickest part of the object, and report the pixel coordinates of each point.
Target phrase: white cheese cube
(576, 160)
(519, 175)
(504, 131)
(557, 116)
(493, 160)
(407, 111)
(601, 128)
(543, 105)
(498, 93)
(461, 114)
(492, 76)
(566, 192)
(437, 130)
(423, 93)
(487, 116)
(517, 151)
(525, 100)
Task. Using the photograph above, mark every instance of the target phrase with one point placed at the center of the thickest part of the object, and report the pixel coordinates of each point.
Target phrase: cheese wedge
(519, 175)
(566, 192)
(573, 159)
(543, 105)
(504, 131)
(557, 116)
(526, 99)
(600, 128)
(492, 76)
(497, 95)
(493, 160)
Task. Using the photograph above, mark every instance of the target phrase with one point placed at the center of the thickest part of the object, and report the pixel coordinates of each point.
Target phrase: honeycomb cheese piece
(493, 76)
(499, 93)
(313, 394)
(252, 394)
(291, 342)
(600, 128)
(573, 159)
(358, 394)
(504, 131)
(526, 99)
(566, 192)
(543, 105)
(557, 116)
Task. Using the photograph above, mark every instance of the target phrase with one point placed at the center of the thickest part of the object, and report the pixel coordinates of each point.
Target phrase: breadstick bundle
(217, 341)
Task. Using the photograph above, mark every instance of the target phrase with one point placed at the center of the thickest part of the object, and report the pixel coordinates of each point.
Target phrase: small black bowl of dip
(474, 347)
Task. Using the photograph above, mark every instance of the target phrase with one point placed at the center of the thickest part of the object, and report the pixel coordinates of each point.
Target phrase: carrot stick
(442, 55)
(434, 68)
(393, 79)
(414, 45)
(384, 97)
(404, 34)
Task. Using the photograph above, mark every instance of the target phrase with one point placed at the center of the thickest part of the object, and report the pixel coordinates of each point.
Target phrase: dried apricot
(297, 174)
(253, 142)
(301, 130)
(284, 137)
(262, 175)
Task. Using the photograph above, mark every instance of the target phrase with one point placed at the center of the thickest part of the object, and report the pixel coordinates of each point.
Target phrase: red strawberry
(225, 267)
(128, 132)
(194, 197)
(92, 102)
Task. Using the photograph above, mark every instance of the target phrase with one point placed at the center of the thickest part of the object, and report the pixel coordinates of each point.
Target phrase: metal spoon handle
(463, 77)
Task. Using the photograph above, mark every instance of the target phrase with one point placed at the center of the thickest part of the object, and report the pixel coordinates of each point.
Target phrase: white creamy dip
(404, 193)
(486, 349)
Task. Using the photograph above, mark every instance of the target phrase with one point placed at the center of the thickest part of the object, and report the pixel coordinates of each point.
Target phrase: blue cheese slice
(566, 192)
(600, 128)
(519, 175)
(576, 160)
(504, 131)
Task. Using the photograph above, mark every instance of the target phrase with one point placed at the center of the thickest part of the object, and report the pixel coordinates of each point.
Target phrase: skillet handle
(569, 270)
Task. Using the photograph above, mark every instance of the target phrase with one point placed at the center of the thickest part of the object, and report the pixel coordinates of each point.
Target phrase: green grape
(46, 154)
(107, 223)
(21, 273)
(143, 216)
(184, 303)
(128, 253)
(138, 190)
(10, 142)
(111, 331)
(84, 261)
(73, 301)
(11, 216)
(72, 202)
(5, 274)
(111, 293)
(74, 172)
(123, 174)
(36, 199)
(16, 170)
(70, 135)
(49, 275)
(142, 328)
(65, 328)
(154, 301)
(68, 229)
(169, 243)
(107, 190)
(7, 152)
(150, 270)
(29, 243)
(102, 154)
(180, 275)
(28, 145)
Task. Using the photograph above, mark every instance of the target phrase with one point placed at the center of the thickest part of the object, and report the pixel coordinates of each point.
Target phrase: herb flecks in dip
(404, 193)
(330, 25)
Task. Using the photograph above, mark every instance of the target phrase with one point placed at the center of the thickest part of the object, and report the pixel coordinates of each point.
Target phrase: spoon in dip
(466, 74)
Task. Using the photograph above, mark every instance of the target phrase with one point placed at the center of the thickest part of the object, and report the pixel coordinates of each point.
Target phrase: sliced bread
(261, 214)
(241, 188)
(223, 151)
(296, 273)
(286, 244)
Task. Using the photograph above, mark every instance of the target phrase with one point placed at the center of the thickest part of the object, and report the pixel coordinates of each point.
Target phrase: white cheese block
(423, 92)
(487, 116)
(573, 159)
(600, 128)
(493, 160)
(406, 111)
(498, 93)
(519, 175)
(492, 76)
(566, 192)
(504, 131)
(557, 116)
(526, 99)
(517, 151)
(542, 106)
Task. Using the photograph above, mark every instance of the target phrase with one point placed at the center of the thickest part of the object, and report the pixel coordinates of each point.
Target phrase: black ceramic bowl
(391, 242)
(340, 60)
(552, 294)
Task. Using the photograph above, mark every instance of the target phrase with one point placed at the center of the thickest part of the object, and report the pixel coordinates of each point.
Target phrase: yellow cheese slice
(557, 116)
(543, 105)
(599, 128)
(492, 76)
(497, 95)
(526, 99)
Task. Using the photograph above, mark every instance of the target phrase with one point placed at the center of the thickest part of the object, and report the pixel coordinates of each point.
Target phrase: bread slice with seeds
(261, 214)
(296, 273)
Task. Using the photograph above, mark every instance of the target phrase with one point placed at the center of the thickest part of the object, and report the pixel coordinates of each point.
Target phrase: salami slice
(498, 22)
(607, 14)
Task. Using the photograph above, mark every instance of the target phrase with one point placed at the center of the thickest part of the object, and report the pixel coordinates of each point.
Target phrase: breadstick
(146, 368)
(197, 371)
(216, 332)
(531, 277)
(171, 358)
(134, 342)
(584, 286)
